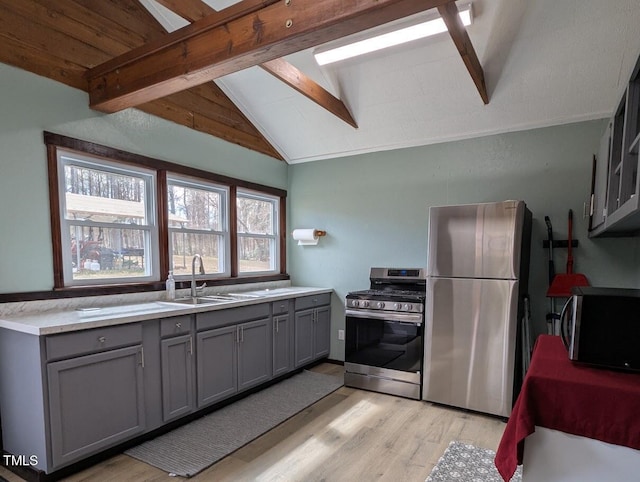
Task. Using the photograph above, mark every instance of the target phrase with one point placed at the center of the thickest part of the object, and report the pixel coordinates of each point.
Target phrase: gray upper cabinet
(95, 401)
(615, 203)
(599, 194)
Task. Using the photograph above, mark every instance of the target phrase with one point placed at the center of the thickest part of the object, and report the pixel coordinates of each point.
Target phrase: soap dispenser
(171, 287)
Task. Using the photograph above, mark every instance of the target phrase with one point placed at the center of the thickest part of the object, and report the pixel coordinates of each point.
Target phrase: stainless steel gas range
(384, 333)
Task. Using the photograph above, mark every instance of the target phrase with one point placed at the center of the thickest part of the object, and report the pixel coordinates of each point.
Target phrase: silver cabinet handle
(142, 356)
(178, 325)
(190, 345)
(102, 339)
(242, 334)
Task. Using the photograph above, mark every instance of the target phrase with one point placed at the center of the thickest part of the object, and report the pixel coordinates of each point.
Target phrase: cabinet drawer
(218, 318)
(97, 339)
(177, 325)
(306, 302)
(280, 307)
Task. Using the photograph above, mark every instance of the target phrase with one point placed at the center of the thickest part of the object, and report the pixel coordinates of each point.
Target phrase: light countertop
(61, 321)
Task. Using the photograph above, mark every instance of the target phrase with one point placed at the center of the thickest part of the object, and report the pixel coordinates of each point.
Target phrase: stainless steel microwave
(601, 327)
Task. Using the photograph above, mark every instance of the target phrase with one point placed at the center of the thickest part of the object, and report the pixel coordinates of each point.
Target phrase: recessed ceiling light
(389, 39)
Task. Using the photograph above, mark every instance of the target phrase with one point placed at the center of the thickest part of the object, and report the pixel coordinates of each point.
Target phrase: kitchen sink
(244, 296)
(200, 300)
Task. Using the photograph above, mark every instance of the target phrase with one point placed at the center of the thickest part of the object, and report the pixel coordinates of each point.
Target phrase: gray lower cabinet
(217, 364)
(254, 353)
(176, 358)
(312, 328)
(232, 359)
(80, 392)
(95, 401)
(322, 338)
(304, 343)
(282, 360)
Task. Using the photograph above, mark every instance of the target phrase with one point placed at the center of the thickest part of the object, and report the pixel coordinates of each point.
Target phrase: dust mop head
(562, 284)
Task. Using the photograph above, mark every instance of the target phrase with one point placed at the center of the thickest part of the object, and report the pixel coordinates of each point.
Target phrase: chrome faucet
(194, 287)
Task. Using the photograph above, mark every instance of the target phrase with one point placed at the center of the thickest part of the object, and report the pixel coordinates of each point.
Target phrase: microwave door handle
(564, 323)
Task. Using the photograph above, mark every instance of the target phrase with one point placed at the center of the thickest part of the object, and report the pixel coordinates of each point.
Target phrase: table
(560, 395)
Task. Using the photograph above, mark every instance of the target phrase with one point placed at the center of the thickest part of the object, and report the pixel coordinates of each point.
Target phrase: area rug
(191, 448)
(468, 463)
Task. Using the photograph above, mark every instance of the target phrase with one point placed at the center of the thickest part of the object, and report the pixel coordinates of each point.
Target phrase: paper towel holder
(307, 237)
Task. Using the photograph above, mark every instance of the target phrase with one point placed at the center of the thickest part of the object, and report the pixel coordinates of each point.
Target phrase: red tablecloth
(558, 394)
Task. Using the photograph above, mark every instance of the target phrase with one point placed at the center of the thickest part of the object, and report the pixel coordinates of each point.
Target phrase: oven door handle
(412, 318)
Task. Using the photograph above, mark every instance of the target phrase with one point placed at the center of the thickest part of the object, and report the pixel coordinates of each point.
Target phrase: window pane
(185, 245)
(255, 216)
(255, 254)
(194, 208)
(98, 253)
(103, 196)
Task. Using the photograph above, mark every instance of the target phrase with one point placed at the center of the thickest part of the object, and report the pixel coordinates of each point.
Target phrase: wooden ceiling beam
(190, 10)
(450, 14)
(308, 87)
(193, 10)
(207, 49)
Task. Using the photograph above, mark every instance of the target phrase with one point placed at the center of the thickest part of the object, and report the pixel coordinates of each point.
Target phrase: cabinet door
(281, 345)
(304, 345)
(95, 401)
(216, 364)
(176, 356)
(254, 353)
(321, 339)
(599, 189)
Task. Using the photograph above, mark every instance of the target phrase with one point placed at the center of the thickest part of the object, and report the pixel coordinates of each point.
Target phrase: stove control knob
(407, 307)
(354, 303)
(398, 306)
(365, 304)
(380, 305)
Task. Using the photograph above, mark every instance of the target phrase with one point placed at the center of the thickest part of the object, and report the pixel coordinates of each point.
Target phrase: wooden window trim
(56, 141)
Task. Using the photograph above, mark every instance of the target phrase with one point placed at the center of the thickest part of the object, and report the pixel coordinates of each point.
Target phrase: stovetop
(388, 294)
(391, 289)
(407, 301)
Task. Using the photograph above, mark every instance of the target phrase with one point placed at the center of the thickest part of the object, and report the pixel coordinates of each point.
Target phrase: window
(258, 239)
(122, 218)
(108, 222)
(198, 215)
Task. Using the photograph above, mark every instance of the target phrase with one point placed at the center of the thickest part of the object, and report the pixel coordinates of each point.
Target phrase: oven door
(386, 346)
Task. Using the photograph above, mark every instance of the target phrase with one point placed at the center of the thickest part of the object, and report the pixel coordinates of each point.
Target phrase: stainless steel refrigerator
(477, 276)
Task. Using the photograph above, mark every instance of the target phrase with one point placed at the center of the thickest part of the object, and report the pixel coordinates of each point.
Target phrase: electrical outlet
(340, 334)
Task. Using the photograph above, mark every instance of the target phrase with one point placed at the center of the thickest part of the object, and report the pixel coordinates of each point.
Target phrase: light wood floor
(350, 435)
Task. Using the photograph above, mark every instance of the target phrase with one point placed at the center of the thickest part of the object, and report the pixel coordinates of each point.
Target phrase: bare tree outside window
(257, 232)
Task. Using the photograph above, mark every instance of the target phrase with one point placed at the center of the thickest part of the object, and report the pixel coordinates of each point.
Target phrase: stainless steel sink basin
(244, 296)
(200, 300)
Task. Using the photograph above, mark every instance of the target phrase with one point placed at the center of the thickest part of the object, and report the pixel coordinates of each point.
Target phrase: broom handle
(570, 242)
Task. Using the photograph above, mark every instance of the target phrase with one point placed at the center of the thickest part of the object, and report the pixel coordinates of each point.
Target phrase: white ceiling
(546, 62)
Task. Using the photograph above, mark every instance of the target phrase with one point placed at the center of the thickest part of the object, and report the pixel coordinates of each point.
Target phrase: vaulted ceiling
(234, 70)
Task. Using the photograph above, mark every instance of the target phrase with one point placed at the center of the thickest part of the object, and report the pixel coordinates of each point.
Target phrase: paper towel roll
(305, 237)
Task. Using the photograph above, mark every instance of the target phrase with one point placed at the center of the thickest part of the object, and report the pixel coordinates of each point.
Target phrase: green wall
(374, 208)
(33, 104)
